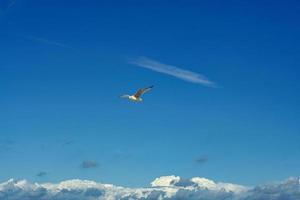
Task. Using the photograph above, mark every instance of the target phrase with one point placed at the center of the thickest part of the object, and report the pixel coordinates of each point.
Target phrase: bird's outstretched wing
(142, 91)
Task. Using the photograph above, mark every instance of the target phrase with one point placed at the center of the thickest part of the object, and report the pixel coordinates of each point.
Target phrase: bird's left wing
(142, 91)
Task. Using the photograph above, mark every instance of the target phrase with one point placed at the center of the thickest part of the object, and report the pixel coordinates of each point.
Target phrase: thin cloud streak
(48, 42)
(173, 71)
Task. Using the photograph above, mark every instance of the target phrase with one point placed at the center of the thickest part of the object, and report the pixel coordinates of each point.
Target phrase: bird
(137, 96)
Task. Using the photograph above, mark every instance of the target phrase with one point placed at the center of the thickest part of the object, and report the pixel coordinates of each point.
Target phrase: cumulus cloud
(163, 188)
(89, 164)
(172, 71)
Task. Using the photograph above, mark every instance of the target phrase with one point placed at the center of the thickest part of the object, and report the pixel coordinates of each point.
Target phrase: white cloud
(165, 181)
(172, 71)
(163, 188)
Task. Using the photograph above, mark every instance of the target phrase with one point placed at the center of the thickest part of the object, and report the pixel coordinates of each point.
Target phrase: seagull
(137, 96)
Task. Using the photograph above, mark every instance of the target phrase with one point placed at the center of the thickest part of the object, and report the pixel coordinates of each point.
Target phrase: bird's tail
(124, 96)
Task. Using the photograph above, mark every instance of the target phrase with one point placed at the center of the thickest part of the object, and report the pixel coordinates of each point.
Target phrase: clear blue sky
(63, 66)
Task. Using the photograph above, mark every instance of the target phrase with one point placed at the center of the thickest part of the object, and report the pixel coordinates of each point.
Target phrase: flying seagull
(137, 96)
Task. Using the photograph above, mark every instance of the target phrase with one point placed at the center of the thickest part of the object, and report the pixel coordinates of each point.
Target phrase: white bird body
(137, 96)
(133, 98)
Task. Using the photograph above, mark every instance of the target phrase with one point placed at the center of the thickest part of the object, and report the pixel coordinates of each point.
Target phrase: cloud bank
(163, 188)
(172, 71)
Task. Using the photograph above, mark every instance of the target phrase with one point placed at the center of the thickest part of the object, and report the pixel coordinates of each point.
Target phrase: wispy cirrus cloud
(172, 71)
(48, 42)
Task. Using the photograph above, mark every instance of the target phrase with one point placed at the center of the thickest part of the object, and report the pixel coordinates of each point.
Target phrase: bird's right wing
(142, 91)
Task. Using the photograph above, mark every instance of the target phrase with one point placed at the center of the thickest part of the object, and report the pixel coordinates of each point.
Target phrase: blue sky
(63, 66)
